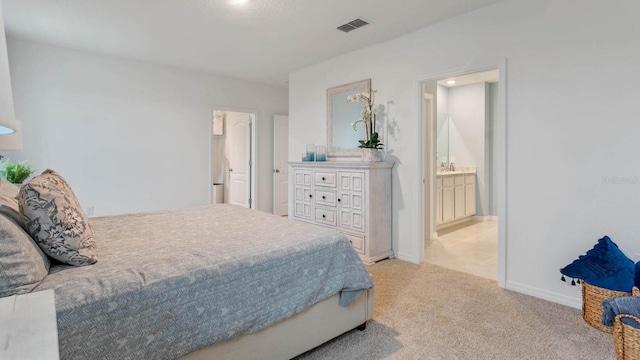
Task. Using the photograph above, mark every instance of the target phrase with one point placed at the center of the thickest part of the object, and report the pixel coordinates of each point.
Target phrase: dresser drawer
(325, 197)
(459, 180)
(302, 178)
(325, 178)
(325, 216)
(357, 242)
(470, 179)
(439, 183)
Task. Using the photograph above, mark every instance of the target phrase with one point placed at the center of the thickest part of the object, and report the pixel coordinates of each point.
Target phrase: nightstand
(28, 328)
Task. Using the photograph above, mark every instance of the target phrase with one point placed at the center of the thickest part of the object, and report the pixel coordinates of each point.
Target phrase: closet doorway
(232, 154)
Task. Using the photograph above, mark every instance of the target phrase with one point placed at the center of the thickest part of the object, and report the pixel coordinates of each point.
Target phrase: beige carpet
(429, 312)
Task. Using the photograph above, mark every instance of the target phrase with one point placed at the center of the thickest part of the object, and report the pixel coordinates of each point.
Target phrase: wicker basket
(592, 297)
(626, 339)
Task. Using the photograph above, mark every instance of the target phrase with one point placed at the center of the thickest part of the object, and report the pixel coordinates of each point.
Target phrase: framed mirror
(342, 140)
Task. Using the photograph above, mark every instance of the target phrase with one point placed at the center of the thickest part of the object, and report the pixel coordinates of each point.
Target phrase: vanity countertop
(459, 171)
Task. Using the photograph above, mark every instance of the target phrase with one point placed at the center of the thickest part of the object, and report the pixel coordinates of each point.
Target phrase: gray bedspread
(169, 283)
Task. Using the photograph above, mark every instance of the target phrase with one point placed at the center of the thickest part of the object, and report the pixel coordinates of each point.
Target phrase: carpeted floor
(429, 312)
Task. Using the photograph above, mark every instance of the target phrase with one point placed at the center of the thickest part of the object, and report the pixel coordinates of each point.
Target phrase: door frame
(428, 153)
(275, 184)
(252, 144)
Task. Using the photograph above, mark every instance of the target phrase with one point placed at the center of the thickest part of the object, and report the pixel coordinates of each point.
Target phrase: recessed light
(238, 2)
(451, 82)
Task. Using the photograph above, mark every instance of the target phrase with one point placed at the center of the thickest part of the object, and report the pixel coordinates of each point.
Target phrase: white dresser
(352, 197)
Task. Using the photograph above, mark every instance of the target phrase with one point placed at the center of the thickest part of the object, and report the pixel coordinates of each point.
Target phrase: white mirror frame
(345, 154)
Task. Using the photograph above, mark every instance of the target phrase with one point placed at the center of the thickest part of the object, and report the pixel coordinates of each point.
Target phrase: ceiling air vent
(352, 25)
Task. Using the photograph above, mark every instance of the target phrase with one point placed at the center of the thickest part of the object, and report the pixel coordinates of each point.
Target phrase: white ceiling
(262, 41)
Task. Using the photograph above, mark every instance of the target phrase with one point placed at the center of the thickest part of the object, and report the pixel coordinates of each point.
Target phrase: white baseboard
(484, 218)
(574, 302)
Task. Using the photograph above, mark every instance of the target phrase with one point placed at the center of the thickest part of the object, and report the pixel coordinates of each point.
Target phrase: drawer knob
(310, 195)
(339, 200)
(324, 216)
(323, 197)
(323, 178)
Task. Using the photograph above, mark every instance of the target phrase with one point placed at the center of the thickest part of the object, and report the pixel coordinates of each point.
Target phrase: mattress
(169, 283)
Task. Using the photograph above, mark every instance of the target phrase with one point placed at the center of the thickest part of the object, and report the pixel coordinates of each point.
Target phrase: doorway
(464, 148)
(232, 154)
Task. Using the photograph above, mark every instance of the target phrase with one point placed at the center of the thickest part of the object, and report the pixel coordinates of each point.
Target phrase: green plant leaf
(16, 173)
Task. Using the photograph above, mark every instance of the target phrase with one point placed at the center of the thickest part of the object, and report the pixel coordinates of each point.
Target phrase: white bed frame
(295, 335)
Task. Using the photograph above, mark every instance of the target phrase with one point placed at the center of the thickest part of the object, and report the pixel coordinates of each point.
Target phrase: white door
(240, 160)
(280, 166)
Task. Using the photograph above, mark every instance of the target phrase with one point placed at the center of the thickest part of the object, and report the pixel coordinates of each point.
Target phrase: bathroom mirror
(442, 140)
(342, 140)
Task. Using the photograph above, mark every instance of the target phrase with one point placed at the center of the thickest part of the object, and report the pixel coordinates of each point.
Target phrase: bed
(210, 282)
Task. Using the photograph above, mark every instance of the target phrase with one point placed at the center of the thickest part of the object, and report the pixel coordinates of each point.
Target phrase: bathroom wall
(467, 141)
(442, 125)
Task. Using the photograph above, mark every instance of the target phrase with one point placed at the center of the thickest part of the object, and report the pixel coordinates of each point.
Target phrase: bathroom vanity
(456, 196)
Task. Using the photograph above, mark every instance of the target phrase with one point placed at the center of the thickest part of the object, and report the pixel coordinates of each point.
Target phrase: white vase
(371, 155)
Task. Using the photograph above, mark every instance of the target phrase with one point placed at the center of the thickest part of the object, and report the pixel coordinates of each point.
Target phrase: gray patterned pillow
(8, 203)
(52, 215)
(8, 189)
(22, 263)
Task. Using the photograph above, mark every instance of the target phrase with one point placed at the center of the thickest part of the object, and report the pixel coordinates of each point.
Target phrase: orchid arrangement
(367, 118)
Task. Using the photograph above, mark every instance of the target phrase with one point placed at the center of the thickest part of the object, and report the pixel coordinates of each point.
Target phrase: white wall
(466, 108)
(493, 136)
(571, 120)
(130, 136)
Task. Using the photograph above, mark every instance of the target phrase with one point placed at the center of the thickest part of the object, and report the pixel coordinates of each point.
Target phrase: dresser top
(344, 164)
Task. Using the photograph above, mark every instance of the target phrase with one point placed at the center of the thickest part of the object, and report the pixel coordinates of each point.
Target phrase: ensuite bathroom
(466, 215)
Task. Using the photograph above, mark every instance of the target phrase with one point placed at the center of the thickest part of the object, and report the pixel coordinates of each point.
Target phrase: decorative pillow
(8, 203)
(8, 189)
(637, 278)
(52, 215)
(22, 263)
(603, 266)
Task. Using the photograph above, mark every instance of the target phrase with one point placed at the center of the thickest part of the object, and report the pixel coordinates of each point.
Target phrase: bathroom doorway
(463, 172)
(232, 148)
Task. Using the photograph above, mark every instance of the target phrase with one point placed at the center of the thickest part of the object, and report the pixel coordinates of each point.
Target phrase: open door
(280, 165)
(240, 160)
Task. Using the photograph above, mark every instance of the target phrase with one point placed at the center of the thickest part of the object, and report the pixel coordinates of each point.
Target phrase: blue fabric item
(621, 305)
(630, 322)
(637, 278)
(603, 266)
